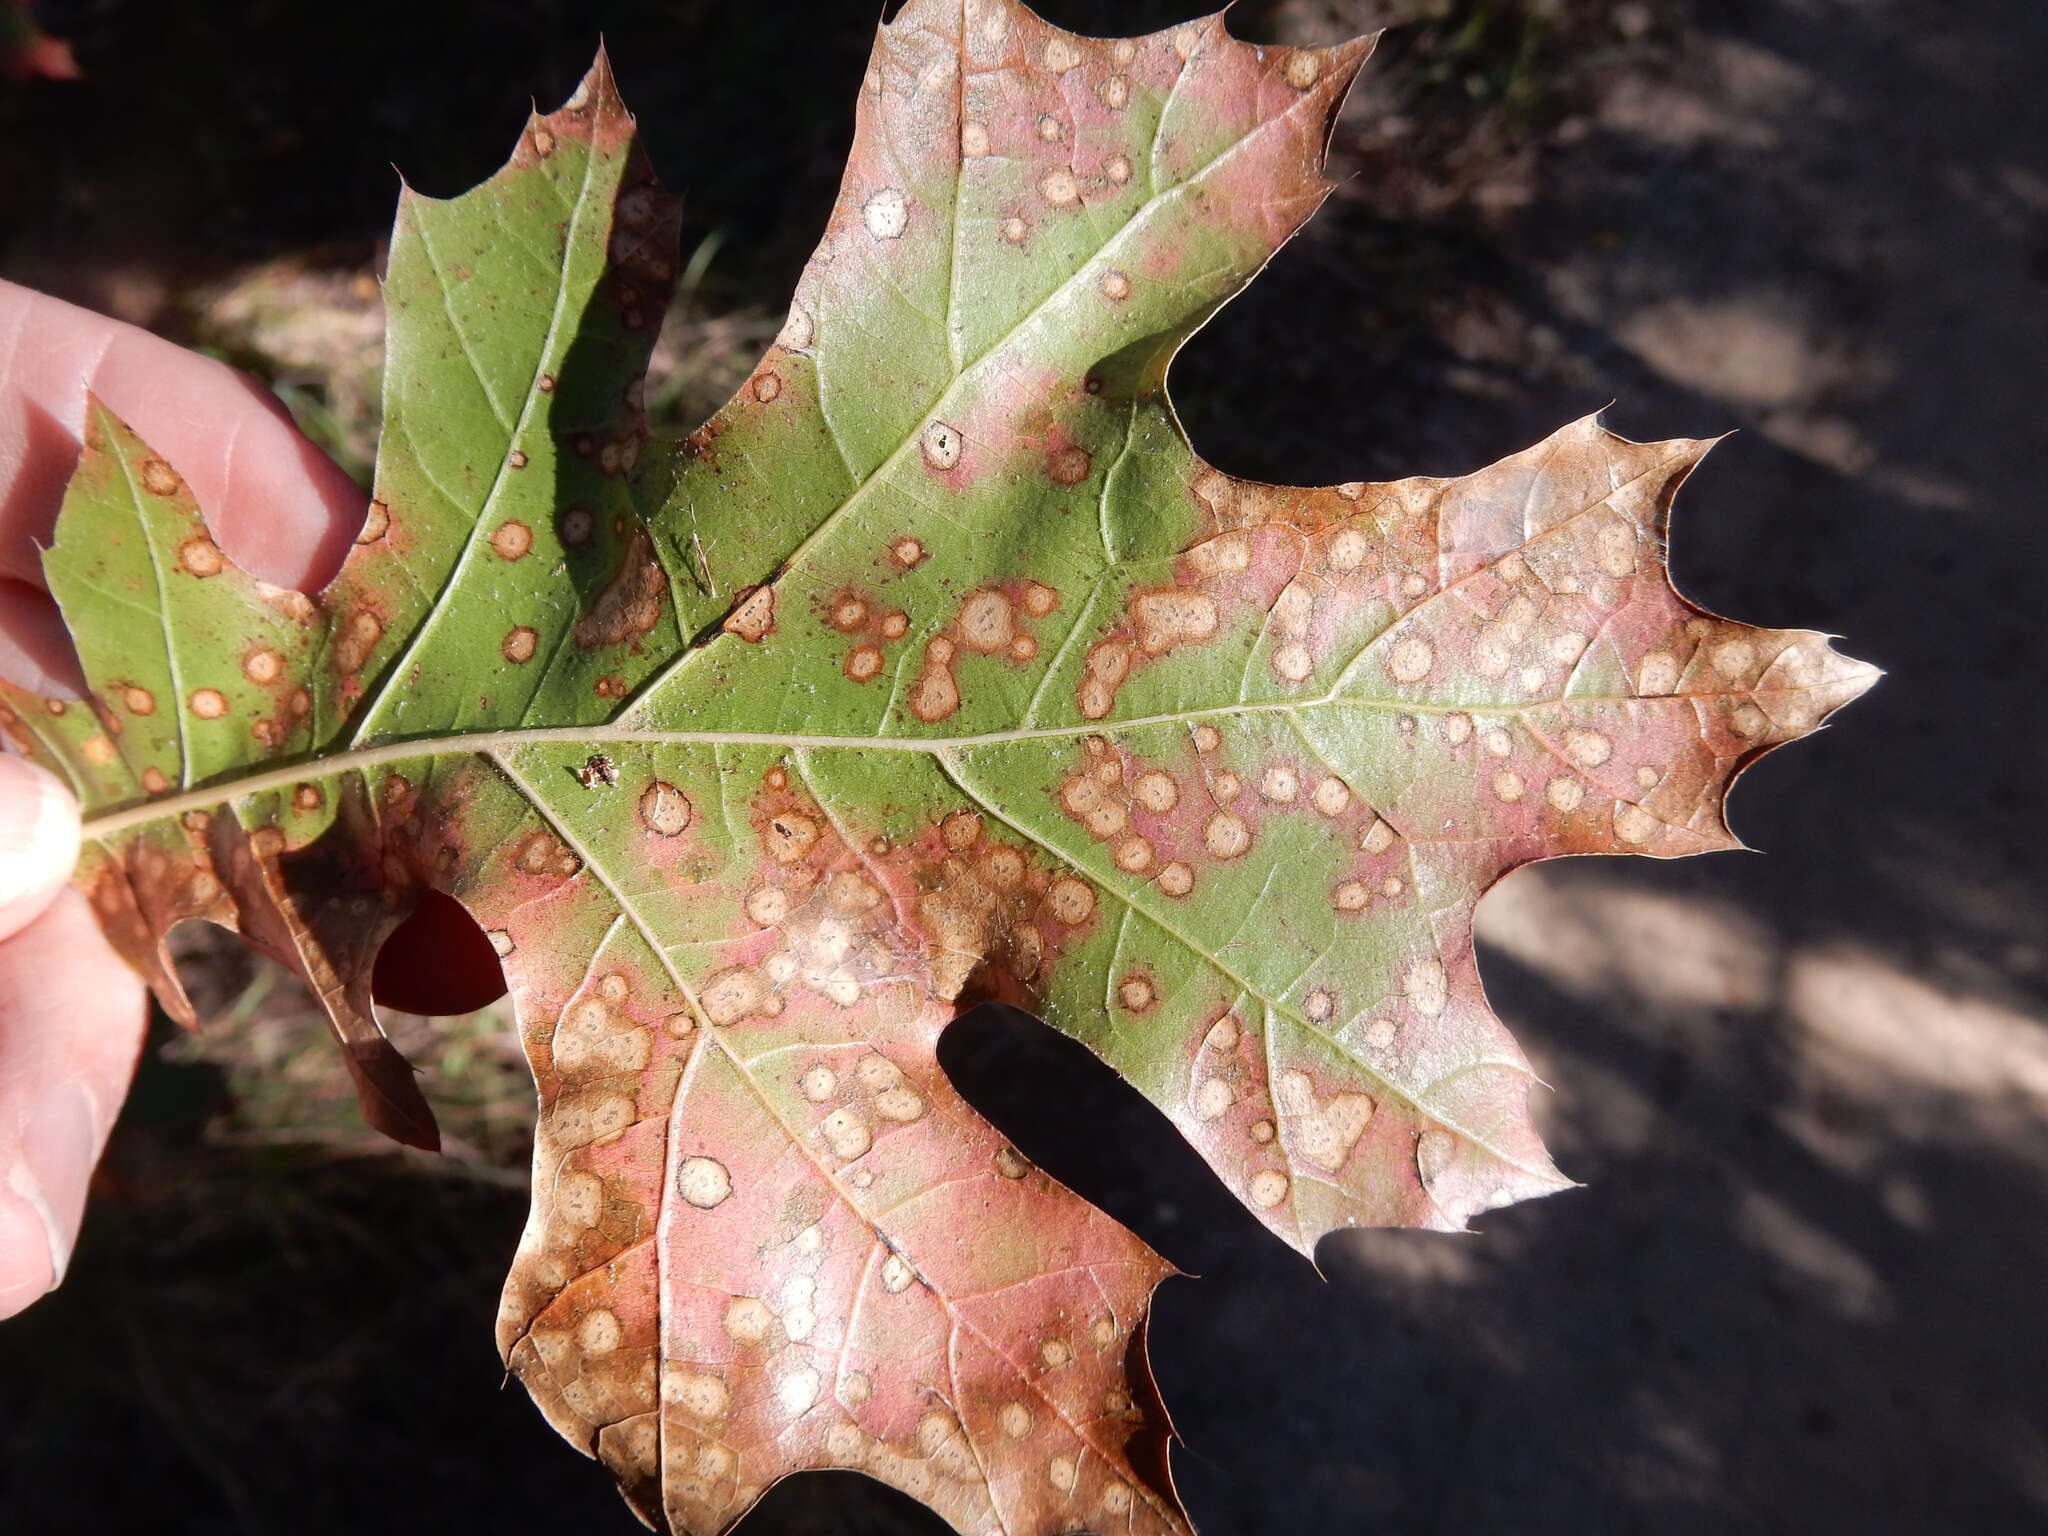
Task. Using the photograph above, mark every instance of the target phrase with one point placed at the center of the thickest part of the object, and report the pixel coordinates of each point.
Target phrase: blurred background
(1807, 1089)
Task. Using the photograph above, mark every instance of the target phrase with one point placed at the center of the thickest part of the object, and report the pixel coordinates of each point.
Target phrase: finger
(71, 1026)
(38, 842)
(277, 505)
(36, 652)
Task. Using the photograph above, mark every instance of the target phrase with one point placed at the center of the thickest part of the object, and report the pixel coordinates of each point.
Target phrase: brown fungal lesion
(357, 640)
(966, 913)
(752, 617)
(159, 479)
(991, 620)
(1157, 621)
(200, 556)
(936, 693)
(631, 603)
(540, 852)
(511, 540)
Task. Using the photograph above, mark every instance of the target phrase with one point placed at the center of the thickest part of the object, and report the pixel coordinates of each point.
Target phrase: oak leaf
(936, 667)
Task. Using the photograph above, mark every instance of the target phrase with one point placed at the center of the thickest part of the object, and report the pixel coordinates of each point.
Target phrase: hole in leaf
(35, 649)
(1066, 1111)
(848, 1502)
(437, 961)
(1251, 21)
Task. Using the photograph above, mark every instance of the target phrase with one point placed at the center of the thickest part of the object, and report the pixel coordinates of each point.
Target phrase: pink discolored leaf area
(935, 668)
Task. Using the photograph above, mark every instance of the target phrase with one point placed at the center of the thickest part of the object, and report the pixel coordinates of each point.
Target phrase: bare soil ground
(1807, 1090)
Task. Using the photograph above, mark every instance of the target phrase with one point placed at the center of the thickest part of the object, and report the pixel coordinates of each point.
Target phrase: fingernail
(58, 1148)
(38, 830)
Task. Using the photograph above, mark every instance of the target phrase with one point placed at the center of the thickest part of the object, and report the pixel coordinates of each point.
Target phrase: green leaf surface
(936, 667)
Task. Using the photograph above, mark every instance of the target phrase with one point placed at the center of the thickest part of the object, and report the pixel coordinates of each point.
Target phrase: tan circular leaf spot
(1268, 1188)
(1411, 659)
(208, 703)
(1069, 465)
(1293, 663)
(1302, 69)
(1134, 855)
(704, 1182)
(201, 556)
(1331, 797)
(664, 809)
(747, 1320)
(698, 1393)
(1280, 784)
(1633, 824)
(1070, 901)
(512, 540)
(941, 445)
(886, 214)
(1156, 791)
(1587, 748)
(159, 479)
(1226, 836)
(600, 1332)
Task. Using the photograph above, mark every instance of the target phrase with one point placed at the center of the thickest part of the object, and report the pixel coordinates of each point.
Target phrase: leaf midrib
(205, 797)
(482, 742)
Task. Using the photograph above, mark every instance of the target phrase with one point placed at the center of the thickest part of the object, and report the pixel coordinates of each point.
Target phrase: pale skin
(71, 1013)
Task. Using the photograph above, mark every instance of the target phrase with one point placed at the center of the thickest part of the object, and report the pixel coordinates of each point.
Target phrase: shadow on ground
(1805, 1090)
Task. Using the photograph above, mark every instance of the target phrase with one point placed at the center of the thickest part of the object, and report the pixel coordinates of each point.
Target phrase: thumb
(38, 842)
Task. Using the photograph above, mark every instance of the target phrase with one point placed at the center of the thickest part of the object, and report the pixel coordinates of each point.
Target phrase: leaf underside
(935, 668)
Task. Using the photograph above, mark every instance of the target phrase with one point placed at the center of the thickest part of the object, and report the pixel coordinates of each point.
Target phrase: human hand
(71, 1012)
